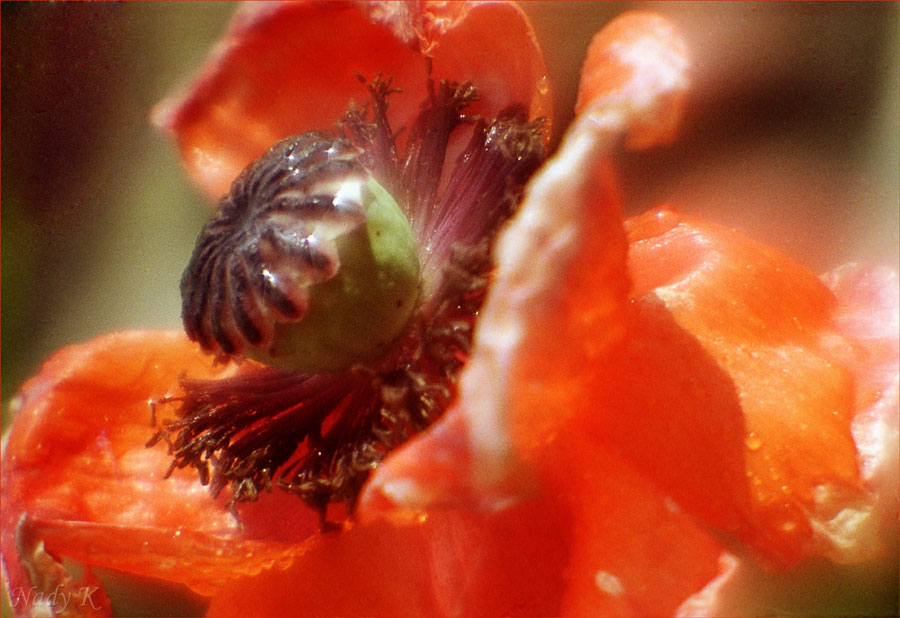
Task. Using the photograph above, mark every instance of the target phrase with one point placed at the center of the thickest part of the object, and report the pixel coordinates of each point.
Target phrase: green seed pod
(357, 314)
(311, 265)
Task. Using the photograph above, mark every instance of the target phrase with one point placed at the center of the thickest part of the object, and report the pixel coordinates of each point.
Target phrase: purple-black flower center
(320, 434)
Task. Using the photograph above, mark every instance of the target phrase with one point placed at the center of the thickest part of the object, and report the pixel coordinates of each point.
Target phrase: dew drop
(753, 441)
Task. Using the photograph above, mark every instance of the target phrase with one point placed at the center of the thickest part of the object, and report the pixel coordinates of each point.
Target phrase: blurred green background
(97, 217)
(791, 135)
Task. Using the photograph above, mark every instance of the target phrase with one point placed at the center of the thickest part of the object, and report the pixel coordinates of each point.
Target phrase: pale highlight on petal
(636, 72)
(869, 313)
(706, 602)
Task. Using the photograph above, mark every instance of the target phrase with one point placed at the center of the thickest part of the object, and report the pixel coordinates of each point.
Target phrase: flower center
(309, 266)
(373, 327)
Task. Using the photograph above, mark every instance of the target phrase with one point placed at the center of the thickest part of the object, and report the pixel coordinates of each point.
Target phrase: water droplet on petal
(753, 441)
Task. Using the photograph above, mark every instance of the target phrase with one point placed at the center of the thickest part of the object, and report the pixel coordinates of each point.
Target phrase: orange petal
(454, 563)
(634, 553)
(868, 313)
(286, 68)
(77, 475)
(637, 58)
(739, 385)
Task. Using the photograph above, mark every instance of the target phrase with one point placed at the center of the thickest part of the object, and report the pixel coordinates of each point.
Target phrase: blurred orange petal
(453, 563)
(868, 313)
(638, 58)
(289, 67)
(634, 552)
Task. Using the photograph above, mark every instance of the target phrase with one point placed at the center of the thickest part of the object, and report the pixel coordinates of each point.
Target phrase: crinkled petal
(777, 378)
(288, 67)
(78, 481)
(868, 313)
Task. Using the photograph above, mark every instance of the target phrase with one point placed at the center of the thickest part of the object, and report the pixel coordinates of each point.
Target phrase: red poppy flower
(653, 412)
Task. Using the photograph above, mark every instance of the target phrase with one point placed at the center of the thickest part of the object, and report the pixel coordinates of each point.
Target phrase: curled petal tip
(713, 598)
(636, 69)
